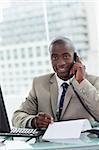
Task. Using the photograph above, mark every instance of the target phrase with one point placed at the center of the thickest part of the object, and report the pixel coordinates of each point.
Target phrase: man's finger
(78, 59)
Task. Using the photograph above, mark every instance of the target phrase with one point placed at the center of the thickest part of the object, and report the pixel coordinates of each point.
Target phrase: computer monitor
(4, 122)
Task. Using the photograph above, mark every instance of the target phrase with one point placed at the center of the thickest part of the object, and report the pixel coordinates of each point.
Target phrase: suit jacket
(44, 95)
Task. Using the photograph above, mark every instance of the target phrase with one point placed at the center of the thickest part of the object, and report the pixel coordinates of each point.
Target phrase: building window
(23, 53)
(46, 62)
(38, 51)
(30, 52)
(1, 56)
(31, 63)
(39, 63)
(9, 65)
(8, 54)
(46, 52)
(15, 53)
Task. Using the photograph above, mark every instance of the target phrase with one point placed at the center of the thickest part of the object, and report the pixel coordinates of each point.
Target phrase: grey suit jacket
(44, 95)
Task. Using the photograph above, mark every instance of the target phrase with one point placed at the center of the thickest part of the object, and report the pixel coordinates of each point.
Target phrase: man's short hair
(60, 40)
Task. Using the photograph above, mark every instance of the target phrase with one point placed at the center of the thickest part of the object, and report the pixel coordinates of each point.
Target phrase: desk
(85, 144)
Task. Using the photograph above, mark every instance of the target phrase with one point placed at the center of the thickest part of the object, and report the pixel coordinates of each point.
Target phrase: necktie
(64, 86)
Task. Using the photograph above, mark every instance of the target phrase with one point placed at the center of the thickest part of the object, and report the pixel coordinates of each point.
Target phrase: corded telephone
(75, 58)
(81, 99)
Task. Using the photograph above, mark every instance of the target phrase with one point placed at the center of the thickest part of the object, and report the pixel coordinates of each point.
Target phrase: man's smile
(62, 70)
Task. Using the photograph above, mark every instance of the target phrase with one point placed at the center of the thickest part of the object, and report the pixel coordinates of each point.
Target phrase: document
(66, 131)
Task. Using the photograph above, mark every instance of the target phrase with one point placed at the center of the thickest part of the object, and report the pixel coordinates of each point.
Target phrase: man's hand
(78, 70)
(42, 120)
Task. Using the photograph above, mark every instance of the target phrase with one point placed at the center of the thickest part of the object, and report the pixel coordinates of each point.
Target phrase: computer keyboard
(24, 132)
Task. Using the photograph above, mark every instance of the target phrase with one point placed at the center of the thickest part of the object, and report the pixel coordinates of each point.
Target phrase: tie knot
(65, 85)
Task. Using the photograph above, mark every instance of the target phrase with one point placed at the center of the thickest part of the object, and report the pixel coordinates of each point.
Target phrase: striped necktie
(64, 86)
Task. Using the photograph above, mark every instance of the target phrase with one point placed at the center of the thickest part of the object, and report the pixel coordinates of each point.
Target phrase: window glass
(26, 29)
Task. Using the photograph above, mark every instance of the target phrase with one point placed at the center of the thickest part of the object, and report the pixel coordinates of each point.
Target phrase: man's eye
(66, 57)
(54, 57)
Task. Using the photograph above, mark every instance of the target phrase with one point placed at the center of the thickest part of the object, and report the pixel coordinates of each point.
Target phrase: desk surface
(85, 144)
(53, 146)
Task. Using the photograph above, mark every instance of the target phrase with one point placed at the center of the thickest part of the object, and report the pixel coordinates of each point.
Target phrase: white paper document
(66, 130)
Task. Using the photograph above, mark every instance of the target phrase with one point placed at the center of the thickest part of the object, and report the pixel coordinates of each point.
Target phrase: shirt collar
(60, 81)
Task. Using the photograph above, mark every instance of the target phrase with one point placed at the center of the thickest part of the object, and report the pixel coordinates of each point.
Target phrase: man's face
(62, 56)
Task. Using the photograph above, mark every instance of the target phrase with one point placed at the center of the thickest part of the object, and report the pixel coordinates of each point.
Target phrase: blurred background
(26, 29)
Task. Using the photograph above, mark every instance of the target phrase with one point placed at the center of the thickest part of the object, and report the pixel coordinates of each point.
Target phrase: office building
(25, 32)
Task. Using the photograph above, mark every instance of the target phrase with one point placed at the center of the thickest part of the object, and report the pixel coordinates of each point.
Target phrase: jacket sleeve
(27, 110)
(89, 94)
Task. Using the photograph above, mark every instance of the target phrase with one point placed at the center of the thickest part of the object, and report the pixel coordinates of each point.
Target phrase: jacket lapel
(67, 99)
(54, 94)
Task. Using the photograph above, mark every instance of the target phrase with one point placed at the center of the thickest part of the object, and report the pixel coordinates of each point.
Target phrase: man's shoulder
(44, 77)
(92, 78)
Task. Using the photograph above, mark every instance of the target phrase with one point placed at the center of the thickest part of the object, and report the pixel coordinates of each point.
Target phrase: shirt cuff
(29, 124)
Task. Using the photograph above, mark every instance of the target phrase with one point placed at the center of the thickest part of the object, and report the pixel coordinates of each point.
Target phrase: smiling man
(67, 94)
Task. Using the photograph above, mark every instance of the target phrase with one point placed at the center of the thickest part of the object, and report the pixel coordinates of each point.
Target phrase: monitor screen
(4, 122)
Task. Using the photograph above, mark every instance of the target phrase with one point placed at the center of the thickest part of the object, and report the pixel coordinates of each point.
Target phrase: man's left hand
(78, 70)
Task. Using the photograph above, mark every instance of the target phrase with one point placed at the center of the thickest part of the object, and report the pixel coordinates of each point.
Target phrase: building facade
(26, 30)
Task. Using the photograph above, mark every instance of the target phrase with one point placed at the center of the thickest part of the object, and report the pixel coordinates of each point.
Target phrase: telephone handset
(75, 58)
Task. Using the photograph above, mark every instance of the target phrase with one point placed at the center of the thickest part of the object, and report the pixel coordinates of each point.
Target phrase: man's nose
(61, 61)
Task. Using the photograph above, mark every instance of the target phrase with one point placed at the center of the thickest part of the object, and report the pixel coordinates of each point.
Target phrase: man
(81, 99)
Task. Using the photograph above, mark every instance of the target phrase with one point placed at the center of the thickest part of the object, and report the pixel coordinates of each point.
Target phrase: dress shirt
(60, 89)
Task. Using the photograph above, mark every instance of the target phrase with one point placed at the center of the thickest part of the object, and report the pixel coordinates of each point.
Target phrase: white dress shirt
(60, 89)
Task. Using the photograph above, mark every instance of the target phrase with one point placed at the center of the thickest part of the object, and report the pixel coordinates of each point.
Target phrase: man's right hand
(42, 120)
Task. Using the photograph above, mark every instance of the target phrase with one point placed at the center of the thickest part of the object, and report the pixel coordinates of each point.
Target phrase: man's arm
(89, 94)
(27, 110)
(27, 115)
(88, 90)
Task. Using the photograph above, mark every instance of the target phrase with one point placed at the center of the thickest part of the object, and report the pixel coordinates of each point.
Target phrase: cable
(87, 109)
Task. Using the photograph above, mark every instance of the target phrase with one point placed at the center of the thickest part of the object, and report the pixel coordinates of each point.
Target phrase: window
(39, 63)
(23, 53)
(26, 31)
(8, 55)
(15, 53)
(1, 55)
